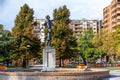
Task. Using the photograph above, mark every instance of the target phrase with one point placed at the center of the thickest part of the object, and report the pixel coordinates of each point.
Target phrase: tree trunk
(61, 62)
(84, 61)
(107, 58)
(7, 62)
(24, 63)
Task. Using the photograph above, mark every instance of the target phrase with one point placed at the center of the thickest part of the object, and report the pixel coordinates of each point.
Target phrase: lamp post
(26, 58)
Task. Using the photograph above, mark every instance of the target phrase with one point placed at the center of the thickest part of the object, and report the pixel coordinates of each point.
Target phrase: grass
(108, 68)
(68, 66)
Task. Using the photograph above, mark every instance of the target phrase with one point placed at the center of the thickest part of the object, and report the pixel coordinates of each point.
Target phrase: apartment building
(111, 16)
(38, 30)
(78, 26)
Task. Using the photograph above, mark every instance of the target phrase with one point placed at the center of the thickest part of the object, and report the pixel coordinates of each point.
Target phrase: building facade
(78, 26)
(38, 30)
(111, 16)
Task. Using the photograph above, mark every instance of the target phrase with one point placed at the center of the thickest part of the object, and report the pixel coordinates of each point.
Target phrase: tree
(85, 47)
(109, 45)
(97, 41)
(118, 39)
(62, 36)
(23, 36)
(5, 44)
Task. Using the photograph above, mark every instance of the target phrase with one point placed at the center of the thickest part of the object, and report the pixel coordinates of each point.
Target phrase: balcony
(78, 27)
(118, 17)
(118, 6)
(118, 23)
(105, 25)
(114, 24)
(113, 28)
(113, 8)
(78, 30)
(118, 11)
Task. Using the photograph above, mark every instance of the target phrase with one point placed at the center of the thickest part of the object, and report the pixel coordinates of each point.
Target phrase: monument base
(49, 59)
(36, 66)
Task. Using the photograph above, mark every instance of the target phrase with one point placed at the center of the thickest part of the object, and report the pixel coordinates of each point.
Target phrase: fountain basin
(60, 74)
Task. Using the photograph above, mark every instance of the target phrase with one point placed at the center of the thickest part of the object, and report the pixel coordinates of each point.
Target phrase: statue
(48, 24)
(49, 58)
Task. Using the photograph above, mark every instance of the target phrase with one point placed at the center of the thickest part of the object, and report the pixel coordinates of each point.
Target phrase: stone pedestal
(36, 66)
(49, 59)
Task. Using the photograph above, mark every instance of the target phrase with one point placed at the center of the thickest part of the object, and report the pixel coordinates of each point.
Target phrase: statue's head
(47, 17)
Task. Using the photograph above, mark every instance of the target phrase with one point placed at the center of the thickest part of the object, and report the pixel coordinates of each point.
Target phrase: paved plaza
(114, 75)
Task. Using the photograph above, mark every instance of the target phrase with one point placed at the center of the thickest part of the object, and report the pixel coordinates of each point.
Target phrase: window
(76, 24)
(88, 24)
(37, 27)
(118, 0)
(118, 14)
(76, 28)
(94, 28)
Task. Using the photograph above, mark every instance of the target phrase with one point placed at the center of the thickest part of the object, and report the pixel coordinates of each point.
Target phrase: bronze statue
(48, 24)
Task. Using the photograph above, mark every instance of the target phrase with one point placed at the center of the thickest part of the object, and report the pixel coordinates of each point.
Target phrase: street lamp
(28, 46)
(26, 58)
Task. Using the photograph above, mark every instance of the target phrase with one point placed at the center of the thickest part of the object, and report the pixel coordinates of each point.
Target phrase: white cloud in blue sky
(90, 9)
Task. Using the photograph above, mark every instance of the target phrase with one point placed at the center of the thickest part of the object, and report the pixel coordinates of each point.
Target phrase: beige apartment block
(78, 26)
(111, 16)
(38, 30)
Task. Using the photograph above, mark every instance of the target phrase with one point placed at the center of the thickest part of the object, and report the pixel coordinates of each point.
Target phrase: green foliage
(105, 44)
(6, 41)
(22, 33)
(62, 37)
(1, 27)
(85, 47)
(118, 34)
(118, 39)
(24, 18)
(97, 41)
(109, 45)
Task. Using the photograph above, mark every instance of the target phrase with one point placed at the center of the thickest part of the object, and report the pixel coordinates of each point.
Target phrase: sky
(79, 9)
